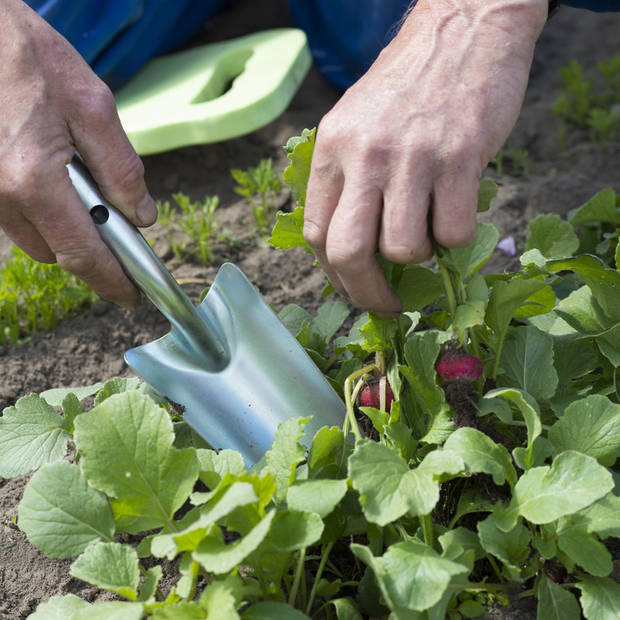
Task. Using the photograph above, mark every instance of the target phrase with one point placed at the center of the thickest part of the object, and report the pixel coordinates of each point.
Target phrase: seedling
(465, 497)
(260, 185)
(35, 297)
(196, 222)
(590, 101)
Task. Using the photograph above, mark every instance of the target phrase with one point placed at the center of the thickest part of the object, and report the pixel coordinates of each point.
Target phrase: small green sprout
(260, 185)
(197, 223)
(36, 297)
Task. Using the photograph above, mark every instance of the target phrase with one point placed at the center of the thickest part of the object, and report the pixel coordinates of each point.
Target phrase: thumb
(101, 141)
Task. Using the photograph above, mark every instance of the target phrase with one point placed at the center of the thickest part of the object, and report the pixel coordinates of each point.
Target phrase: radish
(458, 365)
(371, 395)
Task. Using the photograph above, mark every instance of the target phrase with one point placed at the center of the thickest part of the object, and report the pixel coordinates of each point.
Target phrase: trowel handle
(143, 267)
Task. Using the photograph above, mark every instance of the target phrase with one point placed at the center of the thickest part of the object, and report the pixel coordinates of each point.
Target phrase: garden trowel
(228, 365)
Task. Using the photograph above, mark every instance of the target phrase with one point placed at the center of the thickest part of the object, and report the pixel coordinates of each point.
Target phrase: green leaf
(217, 557)
(55, 396)
(457, 542)
(544, 494)
(600, 598)
(604, 281)
(587, 551)
(213, 465)
(320, 496)
(221, 505)
(527, 361)
(481, 454)
(31, 434)
(506, 297)
(329, 319)
(590, 425)
(293, 530)
(602, 517)
(555, 602)
(417, 287)
(345, 609)
(486, 192)
(600, 208)
(111, 566)
(61, 514)
(552, 236)
(511, 547)
(467, 315)
(150, 583)
(288, 231)
(299, 151)
(127, 452)
(541, 302)
(469, 259)
(285, 454)
(528, 408)
(419, 487)
(376, 471)
(410, 574)
(59, 608)
(110, 610)
(326, 444)
(272, 610)
(294, 318)
(117, 385)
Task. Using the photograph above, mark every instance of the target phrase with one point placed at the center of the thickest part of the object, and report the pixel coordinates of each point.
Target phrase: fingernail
(146, 213)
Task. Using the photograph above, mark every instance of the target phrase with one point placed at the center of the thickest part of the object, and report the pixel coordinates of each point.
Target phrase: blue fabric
(116, 37)
(594, 5)
(346, 36)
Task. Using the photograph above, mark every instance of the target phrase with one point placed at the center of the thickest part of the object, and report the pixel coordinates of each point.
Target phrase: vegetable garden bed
(539, 175)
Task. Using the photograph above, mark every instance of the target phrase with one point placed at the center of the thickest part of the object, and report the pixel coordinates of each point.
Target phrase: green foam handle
(213, 92)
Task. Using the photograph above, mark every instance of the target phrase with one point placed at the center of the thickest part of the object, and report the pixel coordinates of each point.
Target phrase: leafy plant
(446, 497)
(197, 223)
(35, 297)
(590, 101)
(260, 185)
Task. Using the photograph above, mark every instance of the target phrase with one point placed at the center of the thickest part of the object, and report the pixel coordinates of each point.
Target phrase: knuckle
(97, 102)
(348, 258)
(82, 261)
(456, 237)
(131, 173)
(314, 235)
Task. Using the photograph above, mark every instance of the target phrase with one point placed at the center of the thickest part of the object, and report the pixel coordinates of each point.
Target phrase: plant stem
(495, 567)
(349, 398)
(298, 571)
(427, 528)
(319, 572)
(447, 284)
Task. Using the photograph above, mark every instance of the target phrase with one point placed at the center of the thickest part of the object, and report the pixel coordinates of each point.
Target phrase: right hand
(52, 105)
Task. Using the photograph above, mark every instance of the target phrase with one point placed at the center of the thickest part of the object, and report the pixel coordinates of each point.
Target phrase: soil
(90, 347)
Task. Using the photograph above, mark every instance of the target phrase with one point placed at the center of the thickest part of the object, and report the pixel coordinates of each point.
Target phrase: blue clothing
(116, 37)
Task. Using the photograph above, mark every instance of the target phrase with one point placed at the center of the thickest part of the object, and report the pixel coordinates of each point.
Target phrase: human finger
(323, 192)
(404, 236)
(108, 154)
(455, 199)
(352, 245)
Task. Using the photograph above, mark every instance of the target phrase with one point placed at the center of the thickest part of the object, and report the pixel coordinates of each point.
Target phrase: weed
(35, 297)
(197, 223)
(590, 101)
(260, 185)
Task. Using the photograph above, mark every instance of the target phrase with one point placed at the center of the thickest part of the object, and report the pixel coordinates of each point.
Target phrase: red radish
(370, 394)
(458, 365)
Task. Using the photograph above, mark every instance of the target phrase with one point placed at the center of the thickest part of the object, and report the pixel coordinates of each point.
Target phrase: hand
(419, 127)
(52, 104)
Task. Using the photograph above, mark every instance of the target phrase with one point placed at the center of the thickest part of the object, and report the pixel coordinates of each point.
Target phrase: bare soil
(90, 347)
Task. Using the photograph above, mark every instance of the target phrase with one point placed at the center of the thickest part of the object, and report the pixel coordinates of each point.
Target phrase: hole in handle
(100, 214)
(227, 68)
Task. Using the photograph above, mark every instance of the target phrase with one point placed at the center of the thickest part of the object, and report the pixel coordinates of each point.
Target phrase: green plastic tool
(213, 92)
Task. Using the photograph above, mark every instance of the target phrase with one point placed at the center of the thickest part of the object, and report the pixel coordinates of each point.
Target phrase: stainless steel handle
(147, 272)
